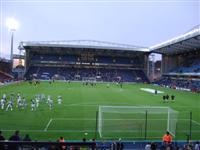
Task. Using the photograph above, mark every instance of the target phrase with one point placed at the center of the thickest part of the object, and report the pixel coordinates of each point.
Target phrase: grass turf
(76, 116)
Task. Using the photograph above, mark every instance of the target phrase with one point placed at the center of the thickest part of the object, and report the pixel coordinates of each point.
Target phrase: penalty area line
(196, 122)
(51, 131)
(48, 124)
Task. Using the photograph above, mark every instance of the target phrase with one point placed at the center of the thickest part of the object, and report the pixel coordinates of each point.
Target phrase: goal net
(136, 122)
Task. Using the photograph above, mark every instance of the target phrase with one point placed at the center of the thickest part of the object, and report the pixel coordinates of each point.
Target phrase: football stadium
(89, 94)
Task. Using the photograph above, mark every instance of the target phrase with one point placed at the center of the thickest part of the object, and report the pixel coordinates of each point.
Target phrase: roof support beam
(185, 46)
(191, 44)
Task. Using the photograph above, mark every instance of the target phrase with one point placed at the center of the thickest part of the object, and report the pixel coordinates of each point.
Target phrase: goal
(136, 121)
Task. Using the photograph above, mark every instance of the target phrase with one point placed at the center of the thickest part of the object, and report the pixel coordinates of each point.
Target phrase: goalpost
(136, 121)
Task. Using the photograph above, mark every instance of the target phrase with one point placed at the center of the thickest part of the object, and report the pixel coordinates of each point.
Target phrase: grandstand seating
(107, 75)
(104, 72)
(97, 59)
(191, 66)
(54, 58)
(176, 83)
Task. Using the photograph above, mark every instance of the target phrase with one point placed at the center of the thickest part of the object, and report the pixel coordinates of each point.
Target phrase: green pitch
(77, 114)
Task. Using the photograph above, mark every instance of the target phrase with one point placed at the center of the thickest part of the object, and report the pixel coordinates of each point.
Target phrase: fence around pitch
(106, 145)
(14, 145)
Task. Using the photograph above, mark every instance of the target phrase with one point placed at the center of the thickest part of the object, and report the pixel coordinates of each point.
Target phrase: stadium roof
(187, 42)
(90, 44)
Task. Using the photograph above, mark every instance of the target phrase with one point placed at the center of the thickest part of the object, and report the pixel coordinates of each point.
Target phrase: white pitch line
(196, 122)
(51, 131)
(75, 119)
(47, 126)
(93, 119)
(74, 105)
(97, 104)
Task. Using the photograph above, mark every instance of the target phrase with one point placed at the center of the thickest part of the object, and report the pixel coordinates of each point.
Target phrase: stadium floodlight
(12, 25)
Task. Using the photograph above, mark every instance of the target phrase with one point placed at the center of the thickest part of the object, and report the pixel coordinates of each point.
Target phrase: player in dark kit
(172, 98)
(164, 98)
(167, 97)
(120, 84)
(156, 92)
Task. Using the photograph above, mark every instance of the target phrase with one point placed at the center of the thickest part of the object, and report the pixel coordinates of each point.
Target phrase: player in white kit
(4, 96)
(59, 100)
(2, 103)
(37, 101)
(33, 105)
(10, 105)
(50, 103)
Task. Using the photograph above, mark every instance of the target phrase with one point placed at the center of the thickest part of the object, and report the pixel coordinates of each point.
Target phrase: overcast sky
(136, 22)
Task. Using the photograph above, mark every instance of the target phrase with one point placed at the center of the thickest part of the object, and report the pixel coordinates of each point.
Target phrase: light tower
(12, 25)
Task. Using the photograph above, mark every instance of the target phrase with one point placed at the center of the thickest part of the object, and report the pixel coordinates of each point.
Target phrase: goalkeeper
(167, 138)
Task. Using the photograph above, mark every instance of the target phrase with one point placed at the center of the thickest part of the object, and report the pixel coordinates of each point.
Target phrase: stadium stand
(185, 76)
(181, 61)
(72, 63)
(190, 66)
(5, 71)
(106, 75)
(182, 84)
